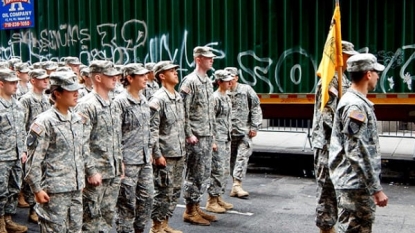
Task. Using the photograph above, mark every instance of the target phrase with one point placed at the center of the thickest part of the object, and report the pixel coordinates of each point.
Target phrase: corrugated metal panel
(277, 44)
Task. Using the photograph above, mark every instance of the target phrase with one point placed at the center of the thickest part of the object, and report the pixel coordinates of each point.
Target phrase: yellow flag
(332, 56)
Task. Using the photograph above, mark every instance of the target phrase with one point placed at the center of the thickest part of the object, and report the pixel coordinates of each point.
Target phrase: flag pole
(339, 69)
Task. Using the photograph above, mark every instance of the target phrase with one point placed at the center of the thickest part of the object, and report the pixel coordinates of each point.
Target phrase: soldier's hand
(24, 157)
(252, 133)
(95, 179)
(123, 170)
(192, 140)
(214, 147)
(380, 199)
(160, 162)
(41, 197)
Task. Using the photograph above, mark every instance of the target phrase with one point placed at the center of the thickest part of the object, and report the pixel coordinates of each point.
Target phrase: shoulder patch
(37, 129)
(357, 115)
(185, 89)
(154, 104)
(83, 117)
(334, 91)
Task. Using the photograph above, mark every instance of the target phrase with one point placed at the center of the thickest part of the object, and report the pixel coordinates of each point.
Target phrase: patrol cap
(104, 67)
(348, 48)
(232, 70)
(134, 69)
(363, 62)
(162, 66)
(203, 51)
(64, 68)
(22, 67)
(119, 68)
(38, 74)
(8, 75)
(50, 65)
(14, 60)
(37, 65)
(72, 61)
(150, 65)
(4, 65)
(64, 79)
(84, 71)
(223, 75)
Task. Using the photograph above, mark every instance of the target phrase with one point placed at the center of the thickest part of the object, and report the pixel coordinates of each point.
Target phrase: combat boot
(209, 217)
(331, 230)
(167, 228)
(33, 216)
(237, 190)
(157, 227)
(224, 204)
(13, 227)
(192, 216)
(21, 202)
(2, 225)
(213, 206)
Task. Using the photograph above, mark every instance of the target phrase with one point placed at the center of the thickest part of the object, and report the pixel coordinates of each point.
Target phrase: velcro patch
(357, 115)
(154, 105)
(37, 129)
(334, 91)
(83, 117)
(185, 89)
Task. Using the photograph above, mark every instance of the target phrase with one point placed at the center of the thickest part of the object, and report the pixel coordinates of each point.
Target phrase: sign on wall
(17, 14)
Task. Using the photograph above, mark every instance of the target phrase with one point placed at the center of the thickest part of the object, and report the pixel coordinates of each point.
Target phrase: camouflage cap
(64, 79)
(8, 75)
(4, 65)
(84, 71)
(134, 69)
(37, 65)
(50, 65)
(348, 48)
(162, 66)
(38, 74)
(203, 51)
(72, 61)
(64, 68)
(232, 70)
(363, 62)
(223, 75)
(150, 65)
(22, 67)
(104, 67)
(119, 68)
(13, 61)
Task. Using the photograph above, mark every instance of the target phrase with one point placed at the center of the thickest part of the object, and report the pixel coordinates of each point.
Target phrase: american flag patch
(357, 115)
(37, 129)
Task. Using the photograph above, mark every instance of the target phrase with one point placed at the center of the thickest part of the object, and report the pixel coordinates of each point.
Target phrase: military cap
(203, 51)
(8, 75)
(38, 74)
(22, 67)
(163, 65)
(64, 68)
(150, 65)
(348, 48)
(72, 61)
(134, 69)
(64, 79)
(104, 67)
(4, 65)
(223, 75)
(363, 62)
(232, 70)
(37, 65)
(50, 65)
(119, 68)
(84, 71)
(14, 60)
(61, 63)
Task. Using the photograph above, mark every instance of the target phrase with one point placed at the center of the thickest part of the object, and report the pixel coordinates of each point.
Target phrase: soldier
(14, 60)
(354, 154)
(199, 126)
(56, 167)
(73, 63)
(103, 151)
(326, 210)
(135, 200)
(86, 81)
(222, 144)
(12, 151)
(50, 66)
(34, 102)
(22, 72)
(152, 85)
(246, 119)
(168, 143)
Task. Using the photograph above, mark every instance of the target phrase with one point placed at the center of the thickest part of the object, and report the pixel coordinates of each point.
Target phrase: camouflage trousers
(99, 205)
(220, 169)
(326, 210)
(27, 192)
(241, 150)
(63, 213)
(197, 171)
(167, 188)
(10, 182)
(135, 200)
(356, 209)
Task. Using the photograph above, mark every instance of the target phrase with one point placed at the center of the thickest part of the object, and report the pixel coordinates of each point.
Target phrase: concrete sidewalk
(394, 148)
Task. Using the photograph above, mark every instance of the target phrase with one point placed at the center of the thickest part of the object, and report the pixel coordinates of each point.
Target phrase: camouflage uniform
(34, 105)
(22, 90)
(151, 88)
(136, 193)
(12, 146)
(83, 92)
(355, 162)
(168, 140)
(199, 107)
(56, 165)
(221, 157)
(246, 116)
(326, 211)
(103, 153)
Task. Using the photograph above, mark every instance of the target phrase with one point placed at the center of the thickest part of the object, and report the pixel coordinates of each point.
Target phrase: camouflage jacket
(55, 151)
(223, 109)
(102, 134)
(199, 105)
(246, 110)
(150, 89)
(135, 129)
(12, 132)
(33, 107)
(22, 90)
(167, 124)
(323, 120)
(354, 154)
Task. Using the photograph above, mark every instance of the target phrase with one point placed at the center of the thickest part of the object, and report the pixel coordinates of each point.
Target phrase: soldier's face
(67, 98)
(139, 81)
(373, 79)
(109, 82)
(40, 84)
(24, 77)
(170, 76)
(206, 63)
(8, 88)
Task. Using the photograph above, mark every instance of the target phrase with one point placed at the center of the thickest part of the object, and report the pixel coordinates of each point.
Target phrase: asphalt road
(285, 204)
